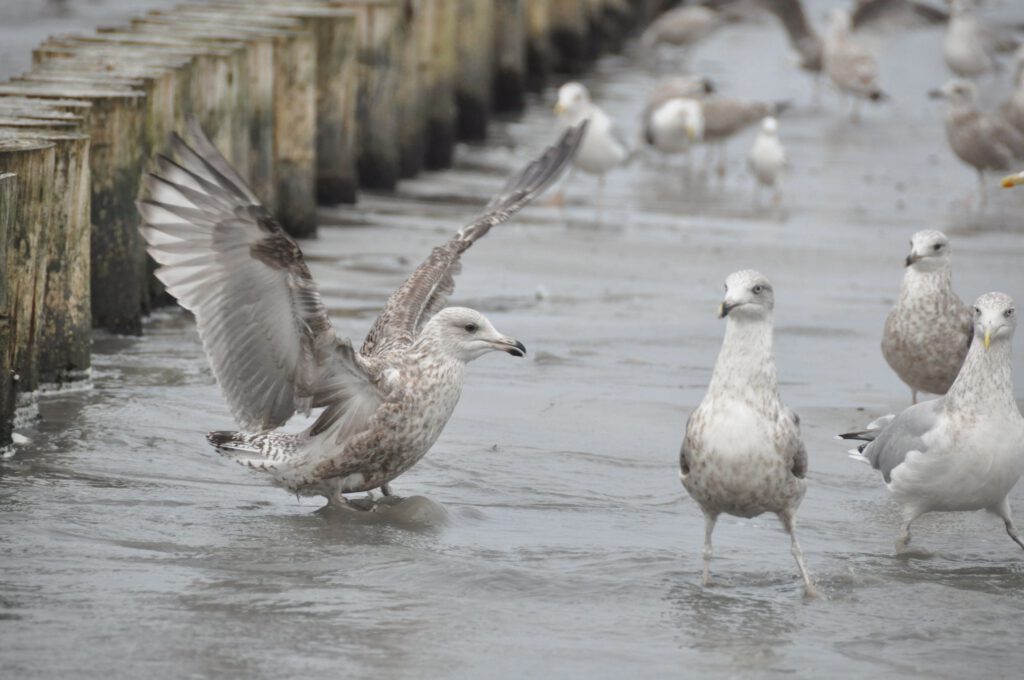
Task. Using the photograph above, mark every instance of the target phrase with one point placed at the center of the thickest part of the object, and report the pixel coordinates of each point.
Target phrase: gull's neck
(985, 382)
(431, 350)
(745, 363)
(917, 284)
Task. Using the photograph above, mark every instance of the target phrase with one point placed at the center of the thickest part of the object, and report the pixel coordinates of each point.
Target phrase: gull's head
(466, 334)
(770, 126)
(748, 296)
(994, 319)
(958, 92)
(684, 113)
(573, 100)
(929, 251)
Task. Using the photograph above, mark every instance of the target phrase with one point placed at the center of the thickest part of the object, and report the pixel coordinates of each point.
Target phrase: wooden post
(412, 91)
(65, 319)
(442, 58)
(116, 159)
(475, 45)
(8, 198)
(509, 55)
(24, 249)
(569, 28)
(539, 56)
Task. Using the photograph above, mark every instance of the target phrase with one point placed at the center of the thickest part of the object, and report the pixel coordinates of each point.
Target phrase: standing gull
(681, 27)
(603, 148)
(767, 159)
(929, 329)
(848, 64)
(970, 46)
(963, 451)
(982, 141)
(273, 350)
(742, 453)
(725, 117)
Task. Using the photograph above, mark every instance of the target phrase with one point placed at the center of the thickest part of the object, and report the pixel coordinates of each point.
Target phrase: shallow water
(547, 534)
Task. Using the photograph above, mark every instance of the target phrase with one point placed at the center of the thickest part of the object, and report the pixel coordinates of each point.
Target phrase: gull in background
(849, 65)
(963, 451)
(929, 329)
(767, 160)
(970, 46)
(273, 350)
(742, 453)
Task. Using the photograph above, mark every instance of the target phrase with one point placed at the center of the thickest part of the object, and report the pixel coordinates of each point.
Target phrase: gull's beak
(725, 308)
(559, 108)
(709, 86)
(691, 132)
(1011, 181)
(510, 345)
(912, 258)
(936, 94)
(988, 338)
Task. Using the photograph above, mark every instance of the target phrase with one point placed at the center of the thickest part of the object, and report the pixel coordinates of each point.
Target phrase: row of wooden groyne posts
(311, 100)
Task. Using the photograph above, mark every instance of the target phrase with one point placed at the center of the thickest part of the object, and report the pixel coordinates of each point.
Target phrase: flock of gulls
(274, 352)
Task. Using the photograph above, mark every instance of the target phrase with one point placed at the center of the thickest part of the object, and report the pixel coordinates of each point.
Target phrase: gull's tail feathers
(259, 451)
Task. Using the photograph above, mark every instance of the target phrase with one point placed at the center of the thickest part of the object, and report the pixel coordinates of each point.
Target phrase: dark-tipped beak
(911, 259)
(725, 308)
(936, 94)
(512, 346)
(709, 86)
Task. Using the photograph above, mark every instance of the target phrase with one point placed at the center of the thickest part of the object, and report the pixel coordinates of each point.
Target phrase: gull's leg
(982, 194)
(855, 110)
(720, 169)
(600, 198)
(788, 522)
(909, 515)
(709, 526)
(913, 395)
(1003, 511)
(558, 198)
(385, 489)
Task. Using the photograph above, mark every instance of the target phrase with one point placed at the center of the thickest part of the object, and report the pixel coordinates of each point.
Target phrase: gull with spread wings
(273, 349)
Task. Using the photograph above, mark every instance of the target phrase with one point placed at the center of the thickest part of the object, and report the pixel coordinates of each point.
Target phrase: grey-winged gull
(982, 141)
(929, 329)
(742, 453)
(273, 350)
(682, 27)
(767, 159)
(963, 451)
(848, 64)
(672, 121)
(603, 148)
(725, 117)
(970, 46)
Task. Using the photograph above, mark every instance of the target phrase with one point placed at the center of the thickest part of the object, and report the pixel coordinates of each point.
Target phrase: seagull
(982, 141)
(1012, 110)
(929, 329)
(742, 453)
(970, 46)
(675, 126)
(273, 350)
(603, 148)
(848, 64)
(681, 27)
(725, 117)
(963, 451)
(767, 158)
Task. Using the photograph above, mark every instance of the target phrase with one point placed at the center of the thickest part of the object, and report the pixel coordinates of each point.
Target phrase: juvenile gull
(848, 64)
(603, 148)
(982, 141)
(273, 350)
(681, 27)
(970, 46)
(767, 159)
(963, 451)
(929, 329)
(742, 453)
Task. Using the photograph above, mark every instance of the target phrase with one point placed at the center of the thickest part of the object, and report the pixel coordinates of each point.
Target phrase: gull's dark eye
(1008, 313)
(471, 328)
(938, 246)
(757, 289)
(977, 311)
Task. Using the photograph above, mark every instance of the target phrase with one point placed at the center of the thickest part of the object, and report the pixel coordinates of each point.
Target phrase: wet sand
(554, 539)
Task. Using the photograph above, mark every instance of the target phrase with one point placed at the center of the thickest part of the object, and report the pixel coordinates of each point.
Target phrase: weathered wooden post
(411, 97)
(117, 156)
(510, 41)
(475, 45)
(8, 197)
(64, 318)
(569, 30)
(538, 43)
(24, 249)
(441, 56)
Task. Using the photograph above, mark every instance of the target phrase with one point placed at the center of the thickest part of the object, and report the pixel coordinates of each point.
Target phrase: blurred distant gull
(970, 46)
(742, 453)
(849, 65)
(802, 37)
(672, 121)
(767, 159)
(1012, 110)
(681, 27)
(273, 350)
(929, 329)
(724, 117)
(982, 141)
(603, 147)
(963, 451)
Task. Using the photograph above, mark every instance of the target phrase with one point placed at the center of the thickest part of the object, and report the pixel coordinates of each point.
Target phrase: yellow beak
(691, 133)
(1011, 181)
(559, 109)
(988, 339)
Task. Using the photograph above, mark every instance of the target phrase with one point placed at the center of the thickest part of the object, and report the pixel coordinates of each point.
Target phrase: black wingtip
(219, 438)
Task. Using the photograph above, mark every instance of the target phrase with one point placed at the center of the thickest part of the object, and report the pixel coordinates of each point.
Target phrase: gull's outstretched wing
(425, 292)
(889, 444)
(257, 308)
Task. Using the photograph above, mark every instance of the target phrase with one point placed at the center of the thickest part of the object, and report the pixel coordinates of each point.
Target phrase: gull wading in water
(742, 453)
(929, 329)
(963, 451)
(603, 149)
(273, 350)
